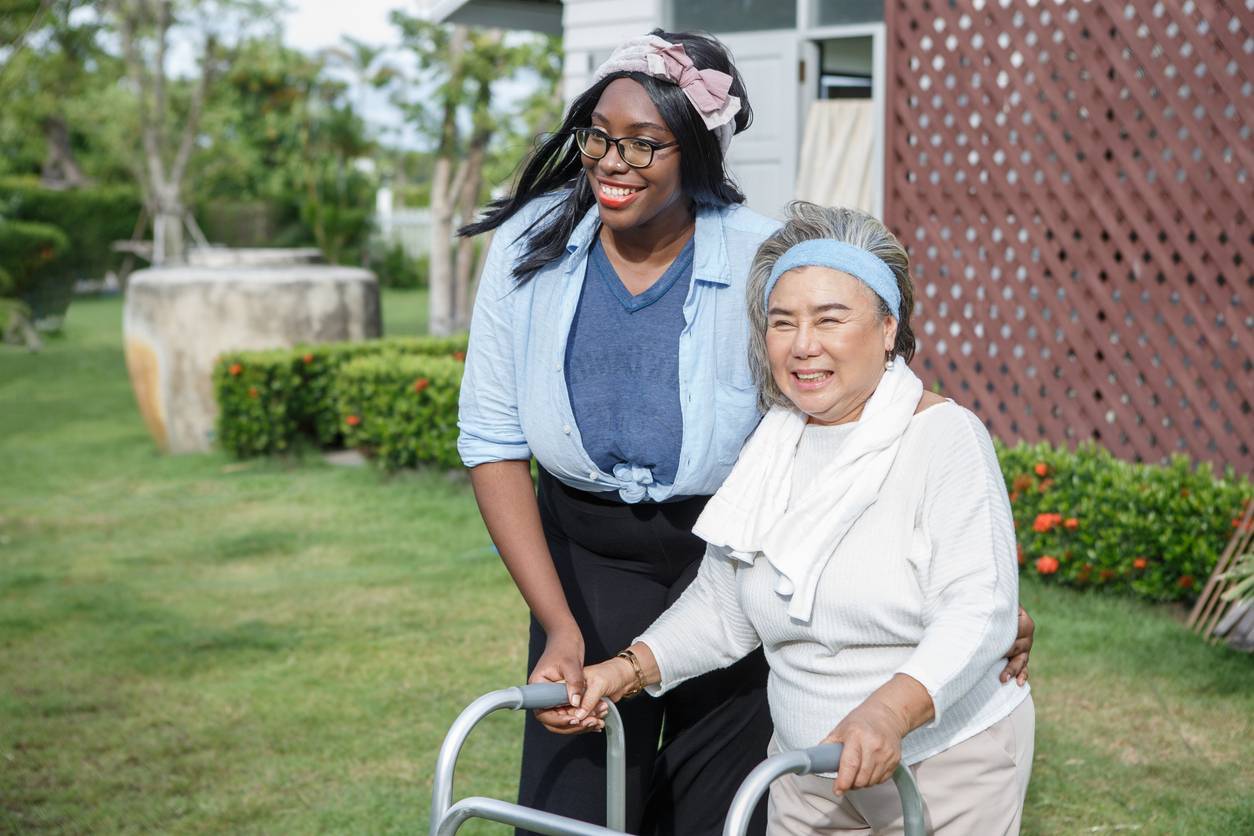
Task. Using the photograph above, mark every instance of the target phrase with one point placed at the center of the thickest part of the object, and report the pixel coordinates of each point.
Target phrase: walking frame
(447, 817)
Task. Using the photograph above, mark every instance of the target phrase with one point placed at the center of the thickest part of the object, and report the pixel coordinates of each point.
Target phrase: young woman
(610, 341)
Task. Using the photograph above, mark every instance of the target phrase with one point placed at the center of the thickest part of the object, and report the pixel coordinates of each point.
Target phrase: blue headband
(857, 262)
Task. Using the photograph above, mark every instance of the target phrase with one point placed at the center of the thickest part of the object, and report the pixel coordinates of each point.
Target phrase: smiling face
(635, 199)
(826, 342)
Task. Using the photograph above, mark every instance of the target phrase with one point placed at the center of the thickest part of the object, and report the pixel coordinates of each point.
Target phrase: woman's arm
(507, 502)
(705, 629)
(872, 732)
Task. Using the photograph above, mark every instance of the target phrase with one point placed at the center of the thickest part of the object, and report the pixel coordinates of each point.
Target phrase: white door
(763, 160)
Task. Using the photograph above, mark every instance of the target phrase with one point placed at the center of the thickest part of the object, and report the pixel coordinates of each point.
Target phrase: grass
(196, 644)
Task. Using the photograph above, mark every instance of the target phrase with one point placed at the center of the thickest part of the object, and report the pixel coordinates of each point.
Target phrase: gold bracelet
(635, 667)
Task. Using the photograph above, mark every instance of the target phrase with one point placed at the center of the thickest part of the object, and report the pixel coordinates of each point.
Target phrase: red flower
(352, 420)
(236, 368)
(1014, 497)
(252, 391)
(308, 358)
(1047, 565)
(1045, 485)
(459, 356)
(1044, 522)
(1085, 572)
(1021, 483)
(1139, 563)
(1185, 582)
(421, 383)
(1041, 469)
(1071, 523)
(1106, 574)
(1019, 551)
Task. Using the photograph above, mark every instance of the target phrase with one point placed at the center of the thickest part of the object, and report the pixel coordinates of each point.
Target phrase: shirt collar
(709, 260)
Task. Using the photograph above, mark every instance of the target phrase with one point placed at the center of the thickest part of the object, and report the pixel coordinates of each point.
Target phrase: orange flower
(459, 356)
(1045, 485)
(1019, 551)
(1014, 497)
(1046, 565)
(236, 368)
(1021, 483)
(1071, 523)
(1106, 574)
(1185, 582)
(1139, 563)
(1044, 522)
(252, 391)
(308, 358)
(421, 383)
(352, 420)
(1041, 469)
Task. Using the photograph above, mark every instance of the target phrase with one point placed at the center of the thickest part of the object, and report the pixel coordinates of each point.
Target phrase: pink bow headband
(707, 90)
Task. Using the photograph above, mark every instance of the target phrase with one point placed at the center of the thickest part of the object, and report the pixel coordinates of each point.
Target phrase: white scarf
(751, 512)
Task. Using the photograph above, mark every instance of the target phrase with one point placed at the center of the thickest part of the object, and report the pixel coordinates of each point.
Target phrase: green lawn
(196, 644)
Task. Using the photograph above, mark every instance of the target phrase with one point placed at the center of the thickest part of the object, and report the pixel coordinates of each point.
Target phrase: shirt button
(592, 474)
(566, 428)
(558, 367)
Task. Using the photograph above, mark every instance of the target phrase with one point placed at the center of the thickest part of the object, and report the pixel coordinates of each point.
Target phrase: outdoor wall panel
(1073, 184)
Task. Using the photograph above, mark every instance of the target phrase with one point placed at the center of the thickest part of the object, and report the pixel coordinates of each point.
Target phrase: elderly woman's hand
(1017, 659)
(872, 732)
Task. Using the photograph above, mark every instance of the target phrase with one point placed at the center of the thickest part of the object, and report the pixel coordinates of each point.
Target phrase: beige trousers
(975, 787)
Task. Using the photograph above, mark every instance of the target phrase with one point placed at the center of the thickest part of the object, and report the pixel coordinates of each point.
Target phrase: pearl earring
(888, 364)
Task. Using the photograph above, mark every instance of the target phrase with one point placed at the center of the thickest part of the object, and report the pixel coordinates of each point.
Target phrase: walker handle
(542, 695)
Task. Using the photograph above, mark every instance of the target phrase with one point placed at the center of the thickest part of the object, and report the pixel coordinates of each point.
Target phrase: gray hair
(809, 222)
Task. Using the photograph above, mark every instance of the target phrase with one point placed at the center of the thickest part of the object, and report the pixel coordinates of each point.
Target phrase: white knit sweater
(925, 583)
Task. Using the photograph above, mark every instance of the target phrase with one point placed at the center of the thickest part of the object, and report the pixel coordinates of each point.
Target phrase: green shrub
(93, 217)
(30, 255)
(401, 410)
(1088, 519)
(395, 268)
(273, 401)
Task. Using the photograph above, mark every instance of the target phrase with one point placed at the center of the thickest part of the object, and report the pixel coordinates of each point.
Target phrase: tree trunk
(60, 168)
(440, 277)
(468, 200)
(167, 226)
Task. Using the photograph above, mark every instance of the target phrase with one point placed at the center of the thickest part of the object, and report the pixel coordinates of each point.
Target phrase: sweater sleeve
(970, 582)
(487, 415)
(705, 629)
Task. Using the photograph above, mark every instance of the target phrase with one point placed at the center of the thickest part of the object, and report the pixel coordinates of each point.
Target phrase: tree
(169, 109)
(459, 69)
(53, 61)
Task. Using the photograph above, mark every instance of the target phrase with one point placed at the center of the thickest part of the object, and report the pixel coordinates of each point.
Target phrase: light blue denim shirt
(514, 398)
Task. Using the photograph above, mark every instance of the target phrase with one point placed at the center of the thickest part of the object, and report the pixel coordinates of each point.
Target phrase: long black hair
(556, 164)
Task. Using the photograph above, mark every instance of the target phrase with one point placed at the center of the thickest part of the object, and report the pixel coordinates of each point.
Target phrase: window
(721, 16)
(838, 12)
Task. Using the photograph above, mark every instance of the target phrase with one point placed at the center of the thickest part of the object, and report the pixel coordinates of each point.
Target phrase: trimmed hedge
(401, 410)
(276, 401)
(93, 216)
(30, 258)
(1088, 519)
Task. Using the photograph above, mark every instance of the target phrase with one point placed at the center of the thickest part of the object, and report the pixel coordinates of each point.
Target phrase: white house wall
(592, 28)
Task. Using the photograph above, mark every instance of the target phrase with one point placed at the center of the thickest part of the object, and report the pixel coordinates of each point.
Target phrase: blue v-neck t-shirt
(622, 369)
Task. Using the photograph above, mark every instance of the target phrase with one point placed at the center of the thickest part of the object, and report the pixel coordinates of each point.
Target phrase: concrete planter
(178, 320)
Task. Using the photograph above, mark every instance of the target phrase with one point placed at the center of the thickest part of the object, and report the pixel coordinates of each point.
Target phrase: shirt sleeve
(487, 415)
(705, 629)
(971, 581)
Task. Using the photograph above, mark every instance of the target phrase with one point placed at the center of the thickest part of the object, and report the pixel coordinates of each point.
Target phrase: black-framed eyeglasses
(635, 151)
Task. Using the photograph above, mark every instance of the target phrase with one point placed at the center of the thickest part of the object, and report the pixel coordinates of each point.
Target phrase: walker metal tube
(539, 695)
(807, 762)
(518, 816)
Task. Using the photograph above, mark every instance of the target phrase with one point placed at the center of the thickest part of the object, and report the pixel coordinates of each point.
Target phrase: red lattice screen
(1072, 180)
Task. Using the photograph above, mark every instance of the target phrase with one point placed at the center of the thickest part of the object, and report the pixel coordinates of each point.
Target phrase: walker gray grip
(542, 695)
(825, 758)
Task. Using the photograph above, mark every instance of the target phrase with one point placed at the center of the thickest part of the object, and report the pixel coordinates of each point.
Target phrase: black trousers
(621, 566)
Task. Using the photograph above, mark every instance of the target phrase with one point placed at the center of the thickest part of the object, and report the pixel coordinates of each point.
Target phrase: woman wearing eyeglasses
(609, 341)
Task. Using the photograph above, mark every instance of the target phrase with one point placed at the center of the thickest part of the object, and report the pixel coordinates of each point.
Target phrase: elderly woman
(864, 541)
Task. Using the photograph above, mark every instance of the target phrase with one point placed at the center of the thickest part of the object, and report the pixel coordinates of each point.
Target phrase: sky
(311, 25)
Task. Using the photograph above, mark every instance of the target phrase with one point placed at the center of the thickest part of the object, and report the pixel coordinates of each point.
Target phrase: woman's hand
(871, 735)
(1017, 664)
(562, 661)
(610, 679)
